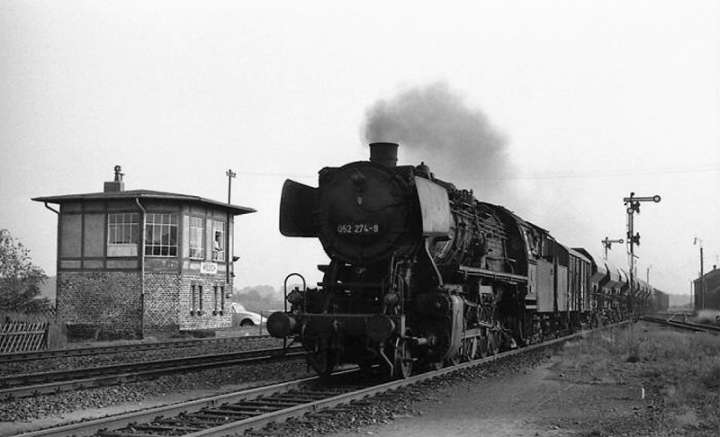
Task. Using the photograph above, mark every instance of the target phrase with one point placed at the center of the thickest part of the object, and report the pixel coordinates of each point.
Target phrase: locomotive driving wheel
(482, 345)
(322, 361)
(493, 344)
(403, 359)
(470, 349)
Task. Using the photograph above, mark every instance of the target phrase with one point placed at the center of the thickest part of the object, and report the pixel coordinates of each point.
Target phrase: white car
(243, 317)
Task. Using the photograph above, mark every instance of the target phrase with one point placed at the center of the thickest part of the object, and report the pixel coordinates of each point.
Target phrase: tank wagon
(421, 273)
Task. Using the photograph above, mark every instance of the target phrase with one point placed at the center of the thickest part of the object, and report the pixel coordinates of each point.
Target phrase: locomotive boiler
(420, 272)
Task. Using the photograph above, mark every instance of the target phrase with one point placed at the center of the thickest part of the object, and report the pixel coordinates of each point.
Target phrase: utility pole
(647, 275)
(633, 206)
(697, 241)
(230, 174)
(607, 244)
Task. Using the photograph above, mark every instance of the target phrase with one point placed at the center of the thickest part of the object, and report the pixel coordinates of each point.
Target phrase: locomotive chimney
(117, 185)
(384, 154)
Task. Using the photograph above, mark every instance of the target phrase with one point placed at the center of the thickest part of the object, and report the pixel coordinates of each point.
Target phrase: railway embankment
(646, 380)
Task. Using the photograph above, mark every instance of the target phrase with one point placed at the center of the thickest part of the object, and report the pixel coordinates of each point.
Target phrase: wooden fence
(23, 336)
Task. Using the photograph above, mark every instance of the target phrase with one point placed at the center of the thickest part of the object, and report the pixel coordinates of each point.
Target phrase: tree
(20, 279)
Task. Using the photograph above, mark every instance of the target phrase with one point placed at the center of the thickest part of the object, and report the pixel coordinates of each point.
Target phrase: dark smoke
(435, 125)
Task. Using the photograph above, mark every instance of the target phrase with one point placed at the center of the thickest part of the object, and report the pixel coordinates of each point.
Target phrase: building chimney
(117, 185)
(384, 154)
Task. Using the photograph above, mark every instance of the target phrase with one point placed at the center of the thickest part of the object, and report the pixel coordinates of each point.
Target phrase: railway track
(103, 350)
(18, 386)
(691, 326)
(252, 409)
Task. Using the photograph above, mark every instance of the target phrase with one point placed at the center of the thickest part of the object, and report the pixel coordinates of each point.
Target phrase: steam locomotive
(421, 273)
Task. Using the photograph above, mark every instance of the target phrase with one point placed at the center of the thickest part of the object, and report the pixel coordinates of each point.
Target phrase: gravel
(253, 375)
(66, 363)
(386, 407)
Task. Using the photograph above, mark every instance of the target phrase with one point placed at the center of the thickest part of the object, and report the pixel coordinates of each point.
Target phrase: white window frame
(120, 228)
(163, 224)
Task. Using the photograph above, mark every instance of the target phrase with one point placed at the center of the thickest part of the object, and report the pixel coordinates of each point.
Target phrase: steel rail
(18, 386)
(102, 350)
(258, 404)
(691, 326)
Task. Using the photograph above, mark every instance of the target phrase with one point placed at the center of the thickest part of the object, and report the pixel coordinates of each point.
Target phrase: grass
(680, 371)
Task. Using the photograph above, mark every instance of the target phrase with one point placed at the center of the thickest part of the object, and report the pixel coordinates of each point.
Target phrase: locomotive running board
(476, 271)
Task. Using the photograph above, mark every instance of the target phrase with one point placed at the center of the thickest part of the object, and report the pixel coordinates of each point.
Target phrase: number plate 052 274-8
(358, 229)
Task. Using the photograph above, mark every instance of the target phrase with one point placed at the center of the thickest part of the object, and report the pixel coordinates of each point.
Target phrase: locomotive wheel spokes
(482, 347)
(493, 344)
(454, 360)
(471, 348)
(403, 359)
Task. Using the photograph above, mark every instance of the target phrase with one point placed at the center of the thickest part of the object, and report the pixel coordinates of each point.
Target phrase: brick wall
(109, 301)
(189, 316)
(161, 302)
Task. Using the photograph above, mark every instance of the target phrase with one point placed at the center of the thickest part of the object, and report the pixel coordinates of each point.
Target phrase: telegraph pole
(697, 240)
(230, 174)
(607, 244)
(633, 206)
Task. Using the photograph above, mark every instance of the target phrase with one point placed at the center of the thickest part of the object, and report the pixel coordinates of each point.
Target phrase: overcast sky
(595, 98)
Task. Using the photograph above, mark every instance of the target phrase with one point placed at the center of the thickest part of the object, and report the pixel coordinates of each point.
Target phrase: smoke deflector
(434, 207)
(297, 204)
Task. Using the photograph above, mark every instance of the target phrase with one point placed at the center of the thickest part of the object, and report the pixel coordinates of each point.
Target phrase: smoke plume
(435, 125)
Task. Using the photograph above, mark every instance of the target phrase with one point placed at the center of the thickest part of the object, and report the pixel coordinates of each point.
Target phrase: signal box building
(139, 262)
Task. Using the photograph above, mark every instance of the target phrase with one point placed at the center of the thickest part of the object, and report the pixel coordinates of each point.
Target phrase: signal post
(633, 206)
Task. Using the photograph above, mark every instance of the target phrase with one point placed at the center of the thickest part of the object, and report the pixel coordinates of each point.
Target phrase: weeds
(680, 371)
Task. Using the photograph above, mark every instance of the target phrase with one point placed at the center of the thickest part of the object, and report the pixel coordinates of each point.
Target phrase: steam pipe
(57, 262)
(52, 209)
(142, 267)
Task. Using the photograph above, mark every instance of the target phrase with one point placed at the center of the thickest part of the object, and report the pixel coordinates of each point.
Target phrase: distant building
(711, 299)
(138, 262)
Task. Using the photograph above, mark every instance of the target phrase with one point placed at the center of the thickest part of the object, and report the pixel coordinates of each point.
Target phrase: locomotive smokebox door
(435, 208)
(297, 204)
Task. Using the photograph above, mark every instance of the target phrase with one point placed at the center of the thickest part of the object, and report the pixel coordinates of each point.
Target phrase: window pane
(165, 235)
(161, 235)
